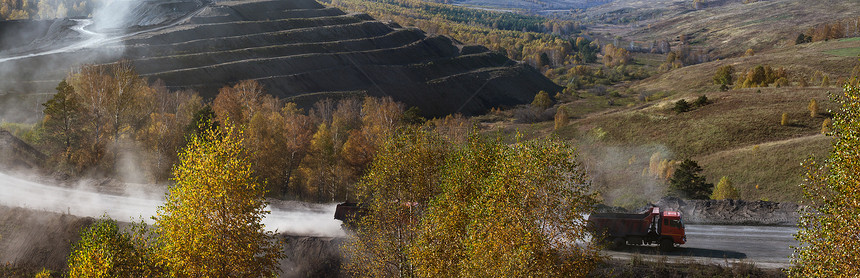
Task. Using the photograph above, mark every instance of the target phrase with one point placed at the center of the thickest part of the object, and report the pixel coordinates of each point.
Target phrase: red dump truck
(652, 227)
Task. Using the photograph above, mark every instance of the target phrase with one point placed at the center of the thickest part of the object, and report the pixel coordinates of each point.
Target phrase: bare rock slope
(303, 51)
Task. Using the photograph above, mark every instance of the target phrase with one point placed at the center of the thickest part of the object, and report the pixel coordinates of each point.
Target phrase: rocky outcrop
(733, 212)
(311, 256)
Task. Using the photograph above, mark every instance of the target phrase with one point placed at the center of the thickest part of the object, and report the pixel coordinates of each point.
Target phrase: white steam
(113, 14)
(140, 201)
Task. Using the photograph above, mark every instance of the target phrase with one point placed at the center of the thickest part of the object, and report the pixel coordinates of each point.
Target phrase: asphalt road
(766, 246)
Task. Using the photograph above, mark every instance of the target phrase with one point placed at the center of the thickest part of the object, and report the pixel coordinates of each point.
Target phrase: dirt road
(142, 201)
(766, 246)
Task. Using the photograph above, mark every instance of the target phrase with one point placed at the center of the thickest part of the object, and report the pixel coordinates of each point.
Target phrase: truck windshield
(676, 223)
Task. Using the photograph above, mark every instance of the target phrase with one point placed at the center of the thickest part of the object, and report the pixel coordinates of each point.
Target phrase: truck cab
(671, 226)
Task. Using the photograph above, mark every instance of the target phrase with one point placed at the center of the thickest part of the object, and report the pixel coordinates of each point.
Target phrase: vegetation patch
(845, 52)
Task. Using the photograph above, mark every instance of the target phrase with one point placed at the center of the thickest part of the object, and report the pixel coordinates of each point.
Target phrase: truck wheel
(666, 245)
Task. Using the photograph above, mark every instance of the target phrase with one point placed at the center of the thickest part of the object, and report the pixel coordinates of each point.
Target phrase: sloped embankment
(733, 212)
(301, 49)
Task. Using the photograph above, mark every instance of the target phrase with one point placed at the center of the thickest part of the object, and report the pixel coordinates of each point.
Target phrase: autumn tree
(454, 128)
(725, 190)
(281, 141)
(62, 123)
(615, 56)
(92, 86)
(542, 101)
(210, 224)
(163, 135)
(724, 76)
(106, 251)
(240, 102)
(319, 167)
(687, 181)
(512, 210)
(561, 118)
(130, 99)
(380, 118)
(828, 230)
(813, 108)
(114, 102)
(400, 183)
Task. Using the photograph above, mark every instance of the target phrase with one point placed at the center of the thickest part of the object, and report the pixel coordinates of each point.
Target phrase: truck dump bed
(619, 224)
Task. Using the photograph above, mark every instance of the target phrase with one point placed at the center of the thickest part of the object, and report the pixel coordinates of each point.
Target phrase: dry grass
(721, 136)
(733, 27)
(775, 167)
(637, 267)
(800, 61)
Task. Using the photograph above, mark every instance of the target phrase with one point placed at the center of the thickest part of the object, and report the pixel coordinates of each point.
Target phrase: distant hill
(302, 51)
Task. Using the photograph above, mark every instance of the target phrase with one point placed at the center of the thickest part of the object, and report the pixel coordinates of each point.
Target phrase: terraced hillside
(303, 51)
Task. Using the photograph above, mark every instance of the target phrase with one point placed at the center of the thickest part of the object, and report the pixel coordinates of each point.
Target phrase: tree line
(45, 9)
(520, 37)
(104, 114)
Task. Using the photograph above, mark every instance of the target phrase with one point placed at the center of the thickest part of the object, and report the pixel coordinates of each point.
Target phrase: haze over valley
(420, 124)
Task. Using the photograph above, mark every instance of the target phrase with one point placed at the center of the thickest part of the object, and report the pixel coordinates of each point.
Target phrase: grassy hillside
(731, 27)
(739, 135)
(831, 58)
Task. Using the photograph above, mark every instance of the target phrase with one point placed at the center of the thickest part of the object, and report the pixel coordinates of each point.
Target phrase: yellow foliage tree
(210, 224)
(813, 108)
(399, 185)
(542, 100)
(515, 211)
(561, 119)
(725, 190)
(829, 230)
(105, 251)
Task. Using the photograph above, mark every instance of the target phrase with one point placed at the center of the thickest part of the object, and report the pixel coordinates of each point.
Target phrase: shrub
(813, 108)
(542, 100)
(724, 75)
(105, 251)
(561, 118)
(825, 126)
(725, 190)
(784, 120)
(702, 101)
(681, 106)
(801, 38)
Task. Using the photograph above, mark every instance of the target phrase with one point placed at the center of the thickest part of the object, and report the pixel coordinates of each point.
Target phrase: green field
(845, 52)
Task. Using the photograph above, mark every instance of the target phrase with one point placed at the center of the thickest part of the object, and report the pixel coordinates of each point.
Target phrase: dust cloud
(622, 173)
(140, 201)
